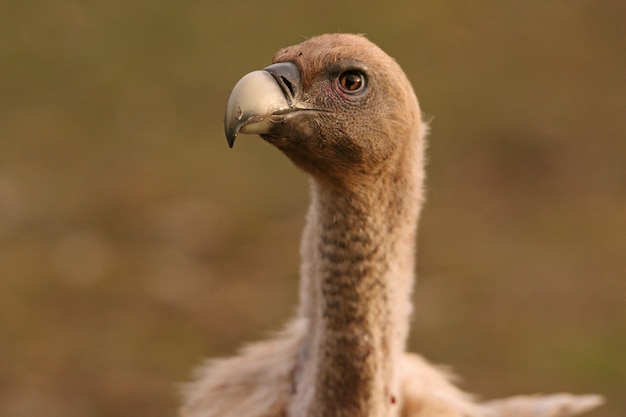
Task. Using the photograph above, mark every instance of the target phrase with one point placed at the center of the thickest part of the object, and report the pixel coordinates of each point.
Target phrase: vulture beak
(261, 100)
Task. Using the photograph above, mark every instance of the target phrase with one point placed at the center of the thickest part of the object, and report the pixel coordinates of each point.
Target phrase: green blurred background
(133, 242)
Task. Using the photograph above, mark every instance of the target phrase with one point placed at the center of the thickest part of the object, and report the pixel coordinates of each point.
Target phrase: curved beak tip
(231, 140)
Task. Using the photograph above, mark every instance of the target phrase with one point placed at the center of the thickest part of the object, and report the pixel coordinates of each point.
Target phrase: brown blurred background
(133, 242)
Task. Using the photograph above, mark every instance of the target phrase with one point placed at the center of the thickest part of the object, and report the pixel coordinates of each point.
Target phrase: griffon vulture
(344, 112)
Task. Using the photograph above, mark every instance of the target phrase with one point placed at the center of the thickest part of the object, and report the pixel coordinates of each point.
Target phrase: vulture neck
(358, 263)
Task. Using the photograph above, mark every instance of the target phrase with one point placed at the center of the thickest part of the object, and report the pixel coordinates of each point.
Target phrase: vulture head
(337, 105)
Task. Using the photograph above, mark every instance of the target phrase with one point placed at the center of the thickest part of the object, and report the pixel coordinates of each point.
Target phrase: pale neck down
(357, 275)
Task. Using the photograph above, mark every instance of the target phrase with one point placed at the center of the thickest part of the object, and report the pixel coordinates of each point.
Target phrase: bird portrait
(344, 112)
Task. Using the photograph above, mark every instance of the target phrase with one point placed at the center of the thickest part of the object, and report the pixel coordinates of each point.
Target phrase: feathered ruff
(259, 383)
(553, 405)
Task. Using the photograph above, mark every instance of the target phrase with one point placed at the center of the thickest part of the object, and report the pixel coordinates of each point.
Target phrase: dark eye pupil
(351, 80)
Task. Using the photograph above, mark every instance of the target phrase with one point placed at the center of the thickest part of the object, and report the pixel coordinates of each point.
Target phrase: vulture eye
(352, 81)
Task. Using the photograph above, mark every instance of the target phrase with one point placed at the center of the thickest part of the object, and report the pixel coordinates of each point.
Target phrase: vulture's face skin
(334, 104)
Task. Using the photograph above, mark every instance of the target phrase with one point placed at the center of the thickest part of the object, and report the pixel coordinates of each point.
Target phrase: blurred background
(134, 243)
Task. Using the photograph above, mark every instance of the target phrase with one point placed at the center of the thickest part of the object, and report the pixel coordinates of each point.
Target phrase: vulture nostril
(288, 85)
